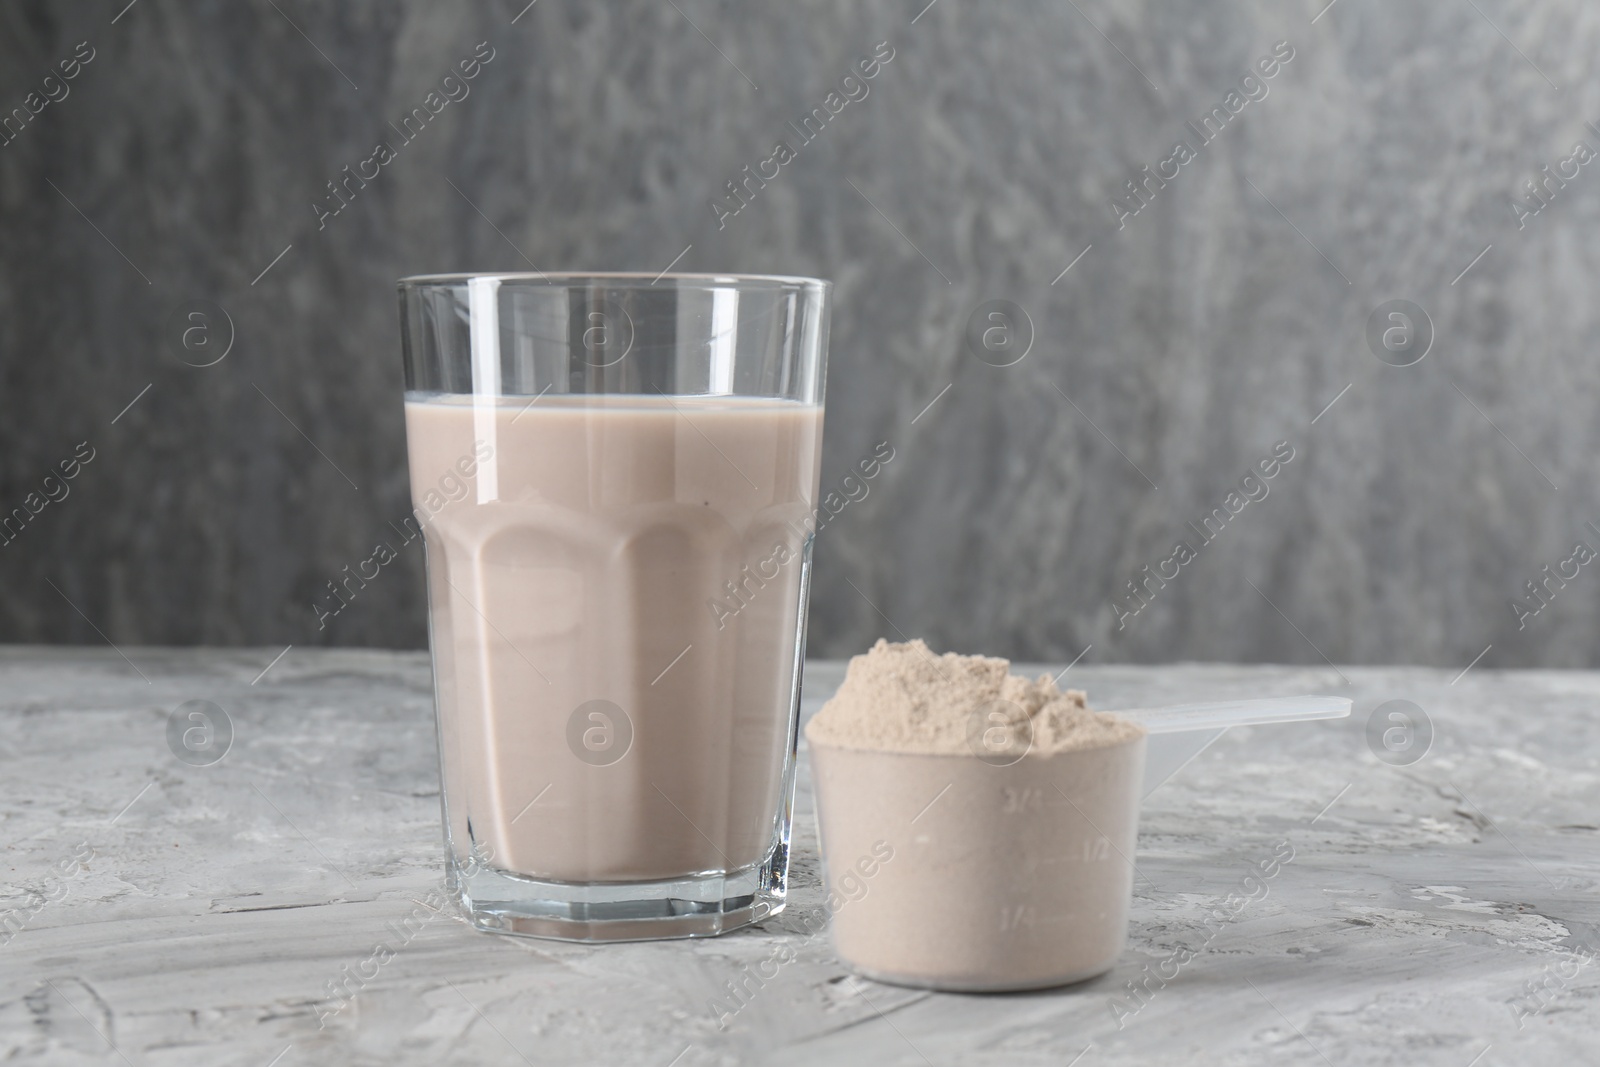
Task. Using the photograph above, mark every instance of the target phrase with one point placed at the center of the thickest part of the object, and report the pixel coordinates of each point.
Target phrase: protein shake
(616, 589)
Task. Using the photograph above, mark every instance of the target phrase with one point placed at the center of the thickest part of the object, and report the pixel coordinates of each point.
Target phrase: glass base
(698, 905)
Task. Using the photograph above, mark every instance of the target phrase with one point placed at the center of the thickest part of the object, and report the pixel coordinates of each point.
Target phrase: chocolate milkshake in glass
(616, 477)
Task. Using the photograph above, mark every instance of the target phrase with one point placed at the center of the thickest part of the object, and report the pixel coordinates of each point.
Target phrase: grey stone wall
(182, 162)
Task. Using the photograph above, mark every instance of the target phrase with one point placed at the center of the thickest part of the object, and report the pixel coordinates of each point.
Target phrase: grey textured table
(160, 913)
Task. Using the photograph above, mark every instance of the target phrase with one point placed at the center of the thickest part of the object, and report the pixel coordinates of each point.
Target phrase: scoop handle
(1180, 732)
(1180, 718)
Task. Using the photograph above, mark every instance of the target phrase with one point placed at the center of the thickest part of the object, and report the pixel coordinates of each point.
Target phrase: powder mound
(903, 698)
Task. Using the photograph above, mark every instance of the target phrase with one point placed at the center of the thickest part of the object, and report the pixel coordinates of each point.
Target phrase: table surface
(154, 912)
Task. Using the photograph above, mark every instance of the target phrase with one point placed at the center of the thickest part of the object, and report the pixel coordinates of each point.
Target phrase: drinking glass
(616, 478)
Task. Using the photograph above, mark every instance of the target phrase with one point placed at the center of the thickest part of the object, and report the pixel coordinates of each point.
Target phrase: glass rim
(569, 279)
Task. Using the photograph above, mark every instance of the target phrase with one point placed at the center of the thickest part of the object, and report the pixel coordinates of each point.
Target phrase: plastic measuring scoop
(1020, 864)
(1180, 732)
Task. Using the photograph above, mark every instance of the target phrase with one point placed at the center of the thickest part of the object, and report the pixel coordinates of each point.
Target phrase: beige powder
(903, 698)
(962, 865)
